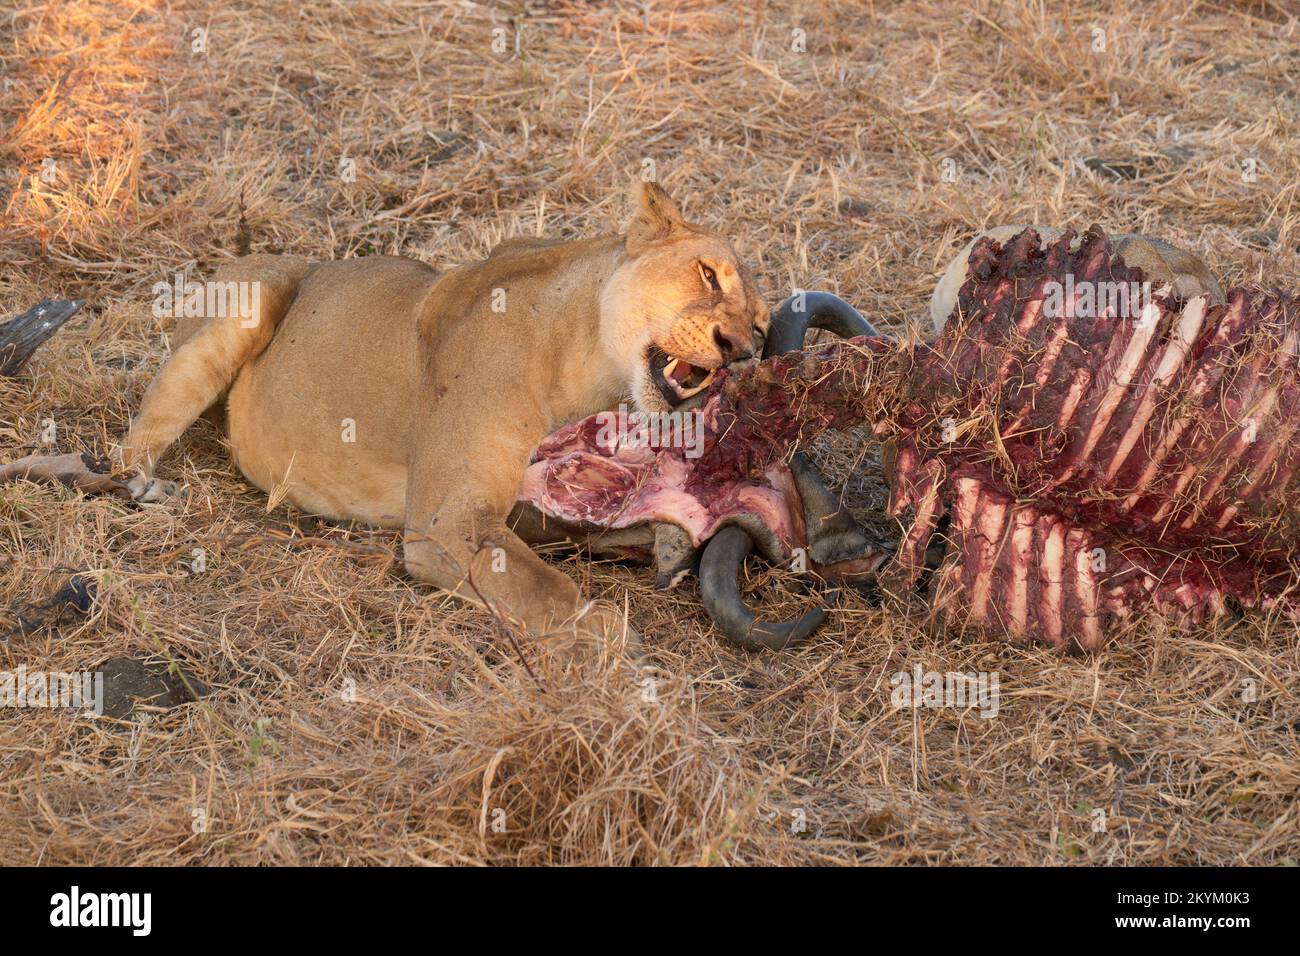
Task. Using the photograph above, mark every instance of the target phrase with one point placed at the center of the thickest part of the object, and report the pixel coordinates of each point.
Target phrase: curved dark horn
(819, 310)
(720, 567)
(833, 533)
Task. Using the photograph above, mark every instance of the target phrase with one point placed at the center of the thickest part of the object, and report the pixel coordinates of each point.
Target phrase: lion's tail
(210, 352)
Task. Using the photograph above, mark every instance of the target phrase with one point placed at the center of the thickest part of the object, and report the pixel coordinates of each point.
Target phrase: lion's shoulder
(522, 245)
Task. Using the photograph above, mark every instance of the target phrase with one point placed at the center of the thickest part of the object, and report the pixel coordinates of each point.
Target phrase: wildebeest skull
(625, 485)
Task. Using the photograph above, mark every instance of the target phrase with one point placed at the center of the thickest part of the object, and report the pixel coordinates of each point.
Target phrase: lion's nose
(733, 347)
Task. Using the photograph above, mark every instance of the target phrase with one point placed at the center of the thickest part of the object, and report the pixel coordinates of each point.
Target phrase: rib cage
(1098, 465)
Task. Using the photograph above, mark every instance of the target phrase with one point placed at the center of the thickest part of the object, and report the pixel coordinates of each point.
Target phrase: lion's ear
(654, 216)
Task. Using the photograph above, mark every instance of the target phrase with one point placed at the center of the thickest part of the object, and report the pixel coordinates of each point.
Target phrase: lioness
(378, 390)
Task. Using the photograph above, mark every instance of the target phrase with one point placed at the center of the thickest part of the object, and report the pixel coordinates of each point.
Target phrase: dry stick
(492, 611)
(20, 337)
(502, 623)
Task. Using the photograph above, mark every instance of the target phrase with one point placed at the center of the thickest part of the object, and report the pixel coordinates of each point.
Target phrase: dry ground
(828, 167)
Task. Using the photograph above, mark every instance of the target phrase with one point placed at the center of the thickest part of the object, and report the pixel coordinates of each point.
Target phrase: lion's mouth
(677, 379)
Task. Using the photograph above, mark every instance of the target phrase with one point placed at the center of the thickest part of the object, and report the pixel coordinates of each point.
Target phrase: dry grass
(827, 168)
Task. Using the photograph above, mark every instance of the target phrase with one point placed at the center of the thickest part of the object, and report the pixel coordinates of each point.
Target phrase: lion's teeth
(668, 369)
(708, 380)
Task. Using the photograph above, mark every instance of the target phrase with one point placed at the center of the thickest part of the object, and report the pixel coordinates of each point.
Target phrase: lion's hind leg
(207, 361)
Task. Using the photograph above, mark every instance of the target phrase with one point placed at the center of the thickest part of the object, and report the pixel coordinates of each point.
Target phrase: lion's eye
(710, 277)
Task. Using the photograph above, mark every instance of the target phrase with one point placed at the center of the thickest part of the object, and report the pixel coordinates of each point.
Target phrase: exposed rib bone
(1171, 360)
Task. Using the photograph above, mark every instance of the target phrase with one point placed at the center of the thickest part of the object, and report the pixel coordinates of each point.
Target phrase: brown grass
(826, 167)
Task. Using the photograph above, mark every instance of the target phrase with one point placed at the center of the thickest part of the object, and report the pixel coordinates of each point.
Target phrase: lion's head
(680, 307)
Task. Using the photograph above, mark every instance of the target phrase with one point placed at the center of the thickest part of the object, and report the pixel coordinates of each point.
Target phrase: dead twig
(21, 336)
